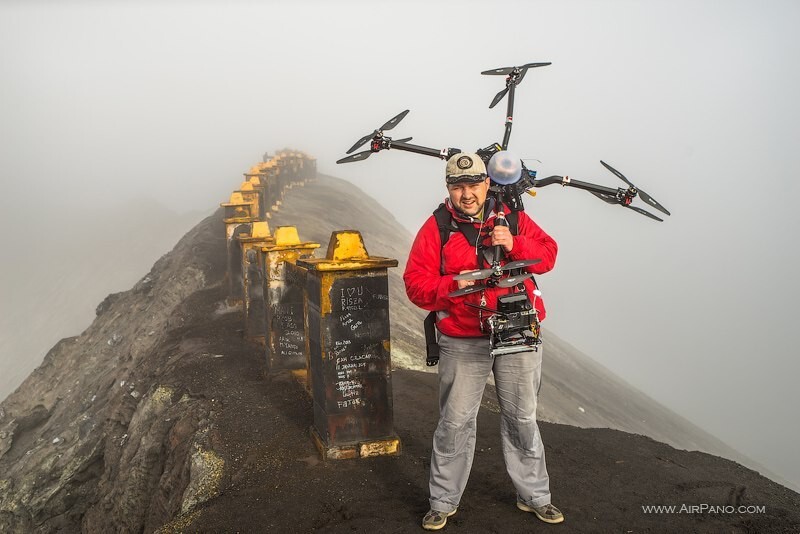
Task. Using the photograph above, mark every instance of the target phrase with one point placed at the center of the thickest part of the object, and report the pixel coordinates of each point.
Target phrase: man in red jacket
(465, 360)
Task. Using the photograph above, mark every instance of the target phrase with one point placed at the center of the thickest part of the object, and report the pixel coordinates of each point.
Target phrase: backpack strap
(445, 223)
(431, 346)
(513, 222)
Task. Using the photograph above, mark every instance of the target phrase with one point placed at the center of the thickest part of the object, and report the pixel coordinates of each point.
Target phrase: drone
(514, 326)
(507, 191)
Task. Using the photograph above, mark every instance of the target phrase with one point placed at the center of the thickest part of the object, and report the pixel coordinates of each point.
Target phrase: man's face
(469, 198)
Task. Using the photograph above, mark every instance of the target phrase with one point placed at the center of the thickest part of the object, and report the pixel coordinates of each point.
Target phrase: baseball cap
(465, 167)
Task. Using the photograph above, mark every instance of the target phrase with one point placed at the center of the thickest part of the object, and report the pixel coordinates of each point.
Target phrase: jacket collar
(488, 212)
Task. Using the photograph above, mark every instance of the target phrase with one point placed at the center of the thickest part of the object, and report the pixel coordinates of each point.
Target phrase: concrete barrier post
(283, 177)
(254, 179)
(238, 220)
(295, 166)
(272, 185)
(284, 300)
(254, 195)
(255, 320)
(350, 350)
(310, 169)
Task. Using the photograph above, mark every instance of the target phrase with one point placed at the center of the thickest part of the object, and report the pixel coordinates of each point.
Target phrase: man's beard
(478, 209)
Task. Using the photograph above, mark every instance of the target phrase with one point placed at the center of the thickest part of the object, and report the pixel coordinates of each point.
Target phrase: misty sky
(694, 101)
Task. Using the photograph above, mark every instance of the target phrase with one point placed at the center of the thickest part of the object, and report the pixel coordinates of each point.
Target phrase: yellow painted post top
(250, 196)
(346, 245)
(236, 200)
(346, 252)
(238, 210)
(246, 186)
(255, 181)
(260, 229)
(287, 235)
(287, 238)
(258, 236)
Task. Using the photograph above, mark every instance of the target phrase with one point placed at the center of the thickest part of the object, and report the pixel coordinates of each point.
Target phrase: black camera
(515, 328)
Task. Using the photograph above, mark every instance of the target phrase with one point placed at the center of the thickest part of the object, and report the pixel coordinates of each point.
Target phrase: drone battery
(515, 302)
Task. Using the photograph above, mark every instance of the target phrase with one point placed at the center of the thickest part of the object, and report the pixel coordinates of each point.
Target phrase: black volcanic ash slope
(101, 434)
(158, 417)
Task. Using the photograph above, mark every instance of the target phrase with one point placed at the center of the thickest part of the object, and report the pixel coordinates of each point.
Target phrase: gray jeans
(463, 370)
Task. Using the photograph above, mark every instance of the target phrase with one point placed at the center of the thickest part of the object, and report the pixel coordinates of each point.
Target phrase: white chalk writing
(352, 298)
(349, 403)
(368, 356)
(349, 388)
(288, 344)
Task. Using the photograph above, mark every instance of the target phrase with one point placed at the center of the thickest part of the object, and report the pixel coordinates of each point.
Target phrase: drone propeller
(611, 199)
(358, 156)
(519, 264)
(498, 97)
(466, 290)
(364, 154)
(505, 282)
(514, 280)
(517, 74)
(481, 274)
(508, 70)
(645, 213)
(644, 196)
(388, 125)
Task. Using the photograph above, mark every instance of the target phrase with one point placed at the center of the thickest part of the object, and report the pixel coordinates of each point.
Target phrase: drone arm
(620, 196)
(443, 153)
(550, 180)
(586, 186)
(566, 181)
(509, 114)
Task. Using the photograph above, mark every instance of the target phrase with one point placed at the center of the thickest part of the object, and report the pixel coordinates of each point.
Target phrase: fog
(696, 102)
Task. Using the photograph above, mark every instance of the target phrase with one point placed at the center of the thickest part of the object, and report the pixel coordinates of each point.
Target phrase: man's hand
(501, 235)
(464, 283)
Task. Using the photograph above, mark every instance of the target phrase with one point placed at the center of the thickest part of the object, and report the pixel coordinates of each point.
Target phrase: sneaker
(434, 519)
(547, 513)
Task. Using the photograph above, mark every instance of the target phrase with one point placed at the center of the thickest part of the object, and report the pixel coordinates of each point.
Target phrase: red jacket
(428, 289)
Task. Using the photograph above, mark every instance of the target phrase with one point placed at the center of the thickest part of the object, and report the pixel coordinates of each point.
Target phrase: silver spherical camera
(504, 168)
